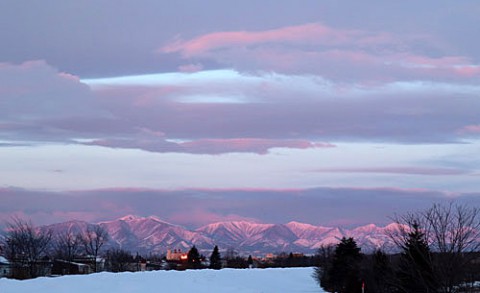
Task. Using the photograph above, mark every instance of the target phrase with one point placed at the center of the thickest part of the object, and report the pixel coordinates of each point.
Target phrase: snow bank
(201, 281)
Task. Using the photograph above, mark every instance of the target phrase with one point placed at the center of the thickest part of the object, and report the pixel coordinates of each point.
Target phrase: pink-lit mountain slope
(150, 234)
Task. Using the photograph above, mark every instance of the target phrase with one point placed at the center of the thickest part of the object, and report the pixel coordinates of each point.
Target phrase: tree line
(34, 252)
(438, 252)
(28, 248)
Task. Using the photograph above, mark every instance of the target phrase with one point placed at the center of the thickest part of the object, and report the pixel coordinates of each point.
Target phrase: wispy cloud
(209, 146)
(335, 53)
(398, 170)
(307, 34)
(470, 129)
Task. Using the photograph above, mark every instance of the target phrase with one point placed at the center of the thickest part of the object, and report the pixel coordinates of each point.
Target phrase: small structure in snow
(5, 269)
(176, 255)
(63, 267)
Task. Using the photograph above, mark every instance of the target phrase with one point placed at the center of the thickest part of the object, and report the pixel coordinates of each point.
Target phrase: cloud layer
(353, 107)
(193, 208)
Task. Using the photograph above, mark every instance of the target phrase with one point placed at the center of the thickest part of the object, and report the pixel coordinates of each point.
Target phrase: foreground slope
(200, 281)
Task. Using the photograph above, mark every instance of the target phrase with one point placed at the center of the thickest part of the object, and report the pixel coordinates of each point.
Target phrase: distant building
(89, 260)
(63, 267)
(176, 255)
(269, 256)
(5, 269)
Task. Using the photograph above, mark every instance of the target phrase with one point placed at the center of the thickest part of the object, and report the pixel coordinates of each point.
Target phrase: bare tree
(93, 240)
(25, 246)
(452, 233)
(67, 245)
(119, 260)
(324, 258)
(455, 233)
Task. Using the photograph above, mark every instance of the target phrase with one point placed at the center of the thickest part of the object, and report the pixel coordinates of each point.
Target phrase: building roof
(3, 260)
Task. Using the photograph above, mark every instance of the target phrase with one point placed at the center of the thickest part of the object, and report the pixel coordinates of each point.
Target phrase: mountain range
(152, 235)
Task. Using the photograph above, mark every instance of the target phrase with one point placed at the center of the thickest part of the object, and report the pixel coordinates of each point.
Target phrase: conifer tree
(379, 277)
(416, 273)
(215, 259)
(343, 274)
(193, 258)
(250, 261)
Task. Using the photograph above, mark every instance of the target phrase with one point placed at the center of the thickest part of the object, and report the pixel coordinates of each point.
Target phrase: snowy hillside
(200, 281)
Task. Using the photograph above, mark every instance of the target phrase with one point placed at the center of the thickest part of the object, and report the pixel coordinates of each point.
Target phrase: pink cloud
(313, 33)
(453, 66)
(468, 70)
(470, 129)
(316, 48)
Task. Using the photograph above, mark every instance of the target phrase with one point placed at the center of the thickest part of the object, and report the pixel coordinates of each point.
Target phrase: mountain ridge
(154, 235)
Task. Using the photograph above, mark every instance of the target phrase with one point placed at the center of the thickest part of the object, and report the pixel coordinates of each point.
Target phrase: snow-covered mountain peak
(129, 218)
(366, 229)
(157, 219)
(298, 224)
(395, 227)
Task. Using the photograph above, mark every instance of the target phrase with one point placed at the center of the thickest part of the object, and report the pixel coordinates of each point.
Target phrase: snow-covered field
(226, 280)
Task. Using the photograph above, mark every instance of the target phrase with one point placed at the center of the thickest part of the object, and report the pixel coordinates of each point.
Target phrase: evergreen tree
(193, 258)
(416, 273)
(215, 259)
(250, 261)
(343, 275)
(290, 260)
(378, 274)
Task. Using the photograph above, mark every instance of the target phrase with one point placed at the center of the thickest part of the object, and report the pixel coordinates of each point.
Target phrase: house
(5, 270)
(24, 270)
(63, 267)
(176, 255)
(98, 262)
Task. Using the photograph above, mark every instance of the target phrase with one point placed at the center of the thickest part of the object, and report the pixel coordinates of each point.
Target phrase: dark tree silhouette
(215, 259)
(250, 261)
(416, 274)
(451, 235)
(382, 272)
(119, 260)
(343, 275)
(193, 258)
(323, 263)
(377, 273)
(455, 233)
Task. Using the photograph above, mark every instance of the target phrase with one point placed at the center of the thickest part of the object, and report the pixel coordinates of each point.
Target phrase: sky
(326, 112)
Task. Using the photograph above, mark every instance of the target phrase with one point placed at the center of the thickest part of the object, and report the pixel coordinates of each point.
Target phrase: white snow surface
(288, 280)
